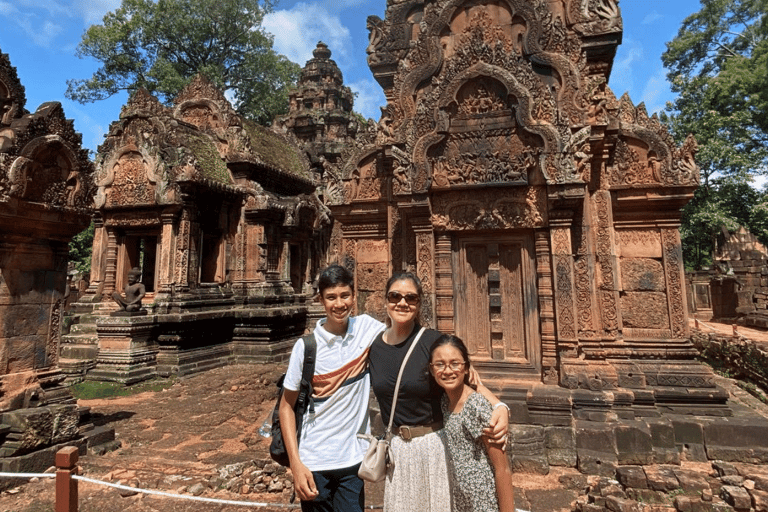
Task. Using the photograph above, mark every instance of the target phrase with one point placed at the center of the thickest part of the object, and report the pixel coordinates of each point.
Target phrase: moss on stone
(275, 151)
(209, 162)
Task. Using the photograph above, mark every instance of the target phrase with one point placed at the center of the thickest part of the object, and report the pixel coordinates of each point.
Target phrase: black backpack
(303, 401)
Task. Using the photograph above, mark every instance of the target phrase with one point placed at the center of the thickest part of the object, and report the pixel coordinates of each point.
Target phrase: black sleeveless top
(418, 401)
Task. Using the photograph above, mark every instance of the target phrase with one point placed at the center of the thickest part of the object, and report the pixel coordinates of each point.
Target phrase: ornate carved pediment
(128, 178)
(593, 17)
(142, 103)
(43, 162)
(12, 97)
(645, 153)
(363, 182)
(489, 209)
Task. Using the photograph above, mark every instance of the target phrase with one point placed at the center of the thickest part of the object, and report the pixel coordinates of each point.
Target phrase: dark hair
(335, 275)
(455, 342)
(405, 276)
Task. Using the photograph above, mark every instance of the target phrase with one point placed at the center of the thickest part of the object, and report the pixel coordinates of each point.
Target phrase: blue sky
(41, 37)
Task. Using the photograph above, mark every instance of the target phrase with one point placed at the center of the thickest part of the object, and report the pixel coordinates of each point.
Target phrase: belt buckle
(405, 433)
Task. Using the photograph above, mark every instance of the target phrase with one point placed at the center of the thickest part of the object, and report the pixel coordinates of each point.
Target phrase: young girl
(473, 462)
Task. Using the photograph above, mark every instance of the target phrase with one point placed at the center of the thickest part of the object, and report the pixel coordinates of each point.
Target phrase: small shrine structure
(320, 114)
(221, 217)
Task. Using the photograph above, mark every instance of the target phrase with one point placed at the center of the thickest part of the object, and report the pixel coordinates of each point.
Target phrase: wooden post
(66, 486)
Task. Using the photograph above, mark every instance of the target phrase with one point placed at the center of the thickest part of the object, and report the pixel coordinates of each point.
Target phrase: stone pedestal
(127, 351)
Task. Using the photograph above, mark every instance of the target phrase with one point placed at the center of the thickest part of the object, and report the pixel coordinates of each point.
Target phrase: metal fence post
(66, 486)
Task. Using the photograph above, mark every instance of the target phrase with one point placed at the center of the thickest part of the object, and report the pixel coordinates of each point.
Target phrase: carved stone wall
(46, 190)
(514, 179)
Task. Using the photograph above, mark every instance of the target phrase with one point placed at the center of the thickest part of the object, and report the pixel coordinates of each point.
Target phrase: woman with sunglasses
(418, 479)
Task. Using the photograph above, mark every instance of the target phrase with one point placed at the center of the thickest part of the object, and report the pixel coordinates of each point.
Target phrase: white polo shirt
(342, 387)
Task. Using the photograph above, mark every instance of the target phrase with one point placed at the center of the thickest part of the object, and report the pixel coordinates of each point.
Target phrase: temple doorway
(496, 304)
(138, 250)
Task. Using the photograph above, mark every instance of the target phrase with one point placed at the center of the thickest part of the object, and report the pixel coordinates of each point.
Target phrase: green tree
(718, 66)
(160, 45)
(81, 249)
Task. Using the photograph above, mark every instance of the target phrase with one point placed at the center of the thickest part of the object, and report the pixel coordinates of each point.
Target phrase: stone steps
(82, 328)
(80, 339)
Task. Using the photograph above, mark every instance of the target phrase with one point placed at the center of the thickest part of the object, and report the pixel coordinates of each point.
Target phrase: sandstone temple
(540, 211)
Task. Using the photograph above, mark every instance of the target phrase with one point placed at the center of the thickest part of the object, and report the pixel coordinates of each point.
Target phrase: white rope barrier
(184, 497)
(27, 475)
(167, 494)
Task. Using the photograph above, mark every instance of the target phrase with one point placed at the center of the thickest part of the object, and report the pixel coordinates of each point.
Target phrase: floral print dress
(473, 485)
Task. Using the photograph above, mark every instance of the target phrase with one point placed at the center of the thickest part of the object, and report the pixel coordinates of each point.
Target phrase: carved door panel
(496, 305)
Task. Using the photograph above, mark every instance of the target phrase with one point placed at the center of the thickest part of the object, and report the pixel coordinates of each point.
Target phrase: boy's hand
(304, 482)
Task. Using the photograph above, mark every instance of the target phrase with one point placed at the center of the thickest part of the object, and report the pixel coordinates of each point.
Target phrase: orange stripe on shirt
(327, 384)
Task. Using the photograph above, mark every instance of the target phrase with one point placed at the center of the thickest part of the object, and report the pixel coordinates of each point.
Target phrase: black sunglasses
(410, 298)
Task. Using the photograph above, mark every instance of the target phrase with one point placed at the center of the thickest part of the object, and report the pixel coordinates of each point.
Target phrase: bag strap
(308, 371)
(399, 377)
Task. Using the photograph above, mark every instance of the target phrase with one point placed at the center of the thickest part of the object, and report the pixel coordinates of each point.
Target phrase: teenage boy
(325, 463)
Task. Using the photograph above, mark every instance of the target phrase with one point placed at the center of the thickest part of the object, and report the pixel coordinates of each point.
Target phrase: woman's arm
(498, 428)
(503, 476)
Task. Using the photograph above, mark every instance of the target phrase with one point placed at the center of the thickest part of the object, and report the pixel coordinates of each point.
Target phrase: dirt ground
(184, 435)
(183, 439)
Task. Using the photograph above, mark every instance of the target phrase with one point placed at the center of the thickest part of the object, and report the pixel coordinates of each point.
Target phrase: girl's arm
(503, 476)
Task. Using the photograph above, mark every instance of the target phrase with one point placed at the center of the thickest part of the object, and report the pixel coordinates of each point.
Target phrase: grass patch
(89, 390)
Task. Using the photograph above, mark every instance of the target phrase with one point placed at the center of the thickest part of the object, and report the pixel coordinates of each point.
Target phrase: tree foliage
(160, 45)
(81, 249)
(718, 66)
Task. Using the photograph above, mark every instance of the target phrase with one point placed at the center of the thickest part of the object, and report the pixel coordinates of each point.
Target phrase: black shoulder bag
(303, 401)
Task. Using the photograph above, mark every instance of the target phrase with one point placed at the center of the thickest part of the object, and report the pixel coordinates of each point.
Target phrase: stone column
(98, 261)
(444, 310)
(425, 269)
(110, 273)
(167, 250)
(546, 309)
(674, 272)
(608, 286)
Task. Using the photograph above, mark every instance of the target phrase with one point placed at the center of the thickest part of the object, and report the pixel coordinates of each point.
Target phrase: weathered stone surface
(632, 476)
(617, 504)
(645, 310)
(40, 427)
(527, 452)
(737, 497)
(634, 443)
(690, 481)
(662, 478)
(759, 500)
(642, 274)
(560, 443)
(737, 440)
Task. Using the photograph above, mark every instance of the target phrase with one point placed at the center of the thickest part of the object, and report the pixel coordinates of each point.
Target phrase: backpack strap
(307, 372)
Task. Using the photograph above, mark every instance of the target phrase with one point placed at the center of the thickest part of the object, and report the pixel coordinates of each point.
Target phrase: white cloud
(53, 8)
(298, 30)
(8, 9)
(656, 88)
(651, 18)
(41, 33)
(44, 35)
(627, 60)
(369, 98)
(93, 11)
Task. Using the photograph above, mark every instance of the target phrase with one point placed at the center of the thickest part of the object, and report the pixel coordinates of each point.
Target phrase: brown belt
(408, 433)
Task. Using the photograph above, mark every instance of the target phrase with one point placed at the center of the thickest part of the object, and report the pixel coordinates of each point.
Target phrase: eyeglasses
(453, 365)
(410, 298)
